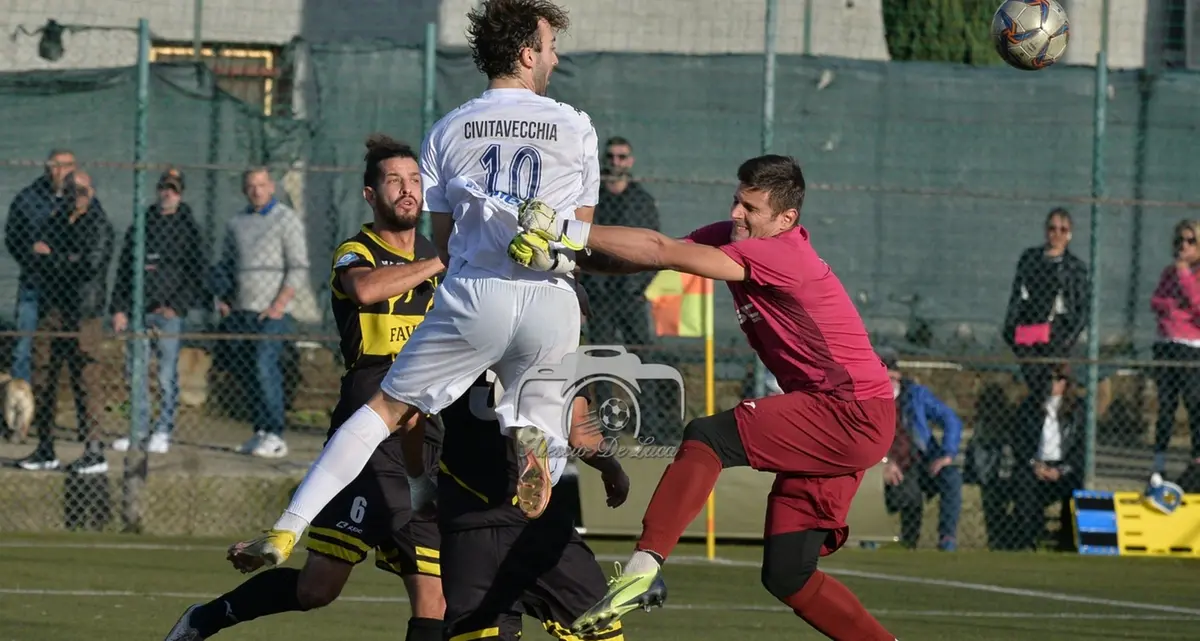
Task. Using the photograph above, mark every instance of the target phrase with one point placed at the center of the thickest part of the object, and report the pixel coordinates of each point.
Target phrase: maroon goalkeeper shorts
(819, 448)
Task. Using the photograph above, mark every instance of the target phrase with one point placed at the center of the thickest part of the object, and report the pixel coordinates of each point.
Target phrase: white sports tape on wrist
(575, 234)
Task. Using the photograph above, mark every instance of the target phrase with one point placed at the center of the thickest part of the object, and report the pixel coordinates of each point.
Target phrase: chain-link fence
(933, 191)
(168, 345)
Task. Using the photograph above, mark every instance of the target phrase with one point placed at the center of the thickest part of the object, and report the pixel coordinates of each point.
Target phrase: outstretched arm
(651, 250)
(597, 263)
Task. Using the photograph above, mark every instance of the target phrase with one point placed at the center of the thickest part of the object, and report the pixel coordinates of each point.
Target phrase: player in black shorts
(498, 565)
(383, 279)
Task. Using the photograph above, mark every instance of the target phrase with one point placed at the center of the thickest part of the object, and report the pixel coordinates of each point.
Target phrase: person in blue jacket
(919, 467)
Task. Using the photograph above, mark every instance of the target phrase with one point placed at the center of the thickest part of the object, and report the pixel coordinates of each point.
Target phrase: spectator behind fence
(1050, 451)
(26, 215)
(990, 463)
(1048, 306)
(263, 264)
(622, 314)
(174, 270)
(73, 251)
(917, 466)
(1176, 303)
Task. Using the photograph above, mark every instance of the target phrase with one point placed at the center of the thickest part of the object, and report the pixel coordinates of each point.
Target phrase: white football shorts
(481, 323)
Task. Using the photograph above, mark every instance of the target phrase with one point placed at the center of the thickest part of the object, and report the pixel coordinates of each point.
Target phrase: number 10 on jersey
(524, 171)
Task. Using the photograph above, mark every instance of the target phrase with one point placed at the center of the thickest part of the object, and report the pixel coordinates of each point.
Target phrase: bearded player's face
(752, 215)
(397, 198)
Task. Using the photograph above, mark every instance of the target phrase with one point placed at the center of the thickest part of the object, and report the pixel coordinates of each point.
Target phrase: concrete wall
(850, 29)
(261, 21)
(334, 20)
(846, 28)
(1129, 25)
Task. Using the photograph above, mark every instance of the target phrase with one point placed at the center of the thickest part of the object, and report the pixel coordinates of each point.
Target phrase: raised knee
(720, 435)
(783, 582)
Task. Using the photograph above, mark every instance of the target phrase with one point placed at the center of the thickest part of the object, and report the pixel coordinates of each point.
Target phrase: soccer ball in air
(1031, 34)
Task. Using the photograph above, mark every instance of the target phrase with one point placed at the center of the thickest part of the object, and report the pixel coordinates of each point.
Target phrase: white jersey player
(478, 164)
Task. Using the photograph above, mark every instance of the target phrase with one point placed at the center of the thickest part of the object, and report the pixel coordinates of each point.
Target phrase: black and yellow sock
(271, 592)
(424, 630)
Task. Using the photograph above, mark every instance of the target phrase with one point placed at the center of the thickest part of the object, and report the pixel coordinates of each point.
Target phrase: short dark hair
(618, 140)
(1060, 212)
(380, 148)
(779, 176)
(257, 169)
(500, 29)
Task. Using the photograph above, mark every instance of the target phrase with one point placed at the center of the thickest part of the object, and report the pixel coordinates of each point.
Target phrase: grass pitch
(115, 588)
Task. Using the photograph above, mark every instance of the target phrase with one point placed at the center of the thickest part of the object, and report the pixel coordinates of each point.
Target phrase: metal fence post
(137, 317)
(429, 92)
(808, 14)
(135, 456)
(768, 138)
(769, 47)
(1098, 191)
(197, 30)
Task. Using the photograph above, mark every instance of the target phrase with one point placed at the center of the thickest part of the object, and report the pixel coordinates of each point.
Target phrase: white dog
(18, 407)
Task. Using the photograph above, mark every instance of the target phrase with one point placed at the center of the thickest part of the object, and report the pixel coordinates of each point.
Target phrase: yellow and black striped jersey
(372, 335)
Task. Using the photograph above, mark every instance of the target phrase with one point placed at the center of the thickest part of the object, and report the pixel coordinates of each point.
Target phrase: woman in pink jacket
(1176, 302)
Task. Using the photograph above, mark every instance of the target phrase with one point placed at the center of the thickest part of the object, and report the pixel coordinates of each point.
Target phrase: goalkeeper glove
(529, 249)
(539, 218)
(536, 217)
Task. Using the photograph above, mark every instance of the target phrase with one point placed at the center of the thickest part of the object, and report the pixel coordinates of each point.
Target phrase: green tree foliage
(940, 30)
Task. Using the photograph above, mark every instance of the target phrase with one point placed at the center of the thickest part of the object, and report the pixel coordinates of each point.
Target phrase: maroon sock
(829, 606)
(680, 495)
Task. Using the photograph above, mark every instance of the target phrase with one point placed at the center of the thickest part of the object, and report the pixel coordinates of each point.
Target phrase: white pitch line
(1037, 594)
(111, 546)
(685, 607)
(962, 585)
(697, 560)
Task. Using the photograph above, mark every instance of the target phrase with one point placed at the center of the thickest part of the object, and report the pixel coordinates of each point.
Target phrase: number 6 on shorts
(358, 509)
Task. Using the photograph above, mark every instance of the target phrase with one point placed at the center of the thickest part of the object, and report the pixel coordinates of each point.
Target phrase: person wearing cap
(918, 466)
(174, 269)
(73, 251)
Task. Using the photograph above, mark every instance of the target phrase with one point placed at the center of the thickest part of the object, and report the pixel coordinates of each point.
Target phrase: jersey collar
(366, 229)
(509, 92)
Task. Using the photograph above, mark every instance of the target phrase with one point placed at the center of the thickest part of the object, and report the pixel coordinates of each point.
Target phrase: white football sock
(343, 458)
(640, 562)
